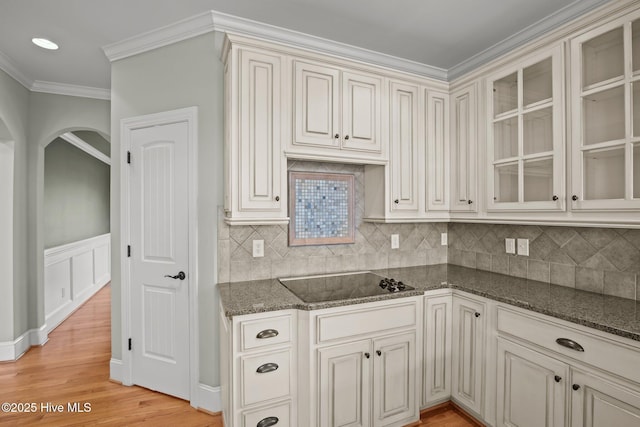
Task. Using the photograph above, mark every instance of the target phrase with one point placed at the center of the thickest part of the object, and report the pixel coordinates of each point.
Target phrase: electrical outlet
(523, 247)
(258, 248)
(443, 239)
(510, 245)
(395, 241)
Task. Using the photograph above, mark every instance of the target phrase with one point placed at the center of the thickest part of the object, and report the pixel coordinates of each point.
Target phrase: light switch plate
(523, 247)
(395, 241)
(444, 239)
(510, 245)
(258, 248)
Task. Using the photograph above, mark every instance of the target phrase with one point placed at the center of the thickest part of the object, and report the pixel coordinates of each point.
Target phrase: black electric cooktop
(342, 286)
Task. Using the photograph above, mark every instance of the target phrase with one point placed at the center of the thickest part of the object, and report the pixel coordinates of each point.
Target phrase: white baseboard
(115, 370)
(13, 350)
(63, 312)
(208, 398)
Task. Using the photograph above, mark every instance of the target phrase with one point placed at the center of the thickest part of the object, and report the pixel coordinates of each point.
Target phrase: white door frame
(189, 115)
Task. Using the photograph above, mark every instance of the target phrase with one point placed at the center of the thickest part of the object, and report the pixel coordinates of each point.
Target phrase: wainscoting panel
(73, 273)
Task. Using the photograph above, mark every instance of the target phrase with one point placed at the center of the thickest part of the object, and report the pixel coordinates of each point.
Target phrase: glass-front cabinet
(606, 116)
(525, 136)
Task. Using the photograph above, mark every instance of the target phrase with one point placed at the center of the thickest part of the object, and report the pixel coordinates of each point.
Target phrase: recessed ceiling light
(44, 43)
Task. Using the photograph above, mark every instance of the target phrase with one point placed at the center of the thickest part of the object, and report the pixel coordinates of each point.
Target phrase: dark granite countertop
(615, 315)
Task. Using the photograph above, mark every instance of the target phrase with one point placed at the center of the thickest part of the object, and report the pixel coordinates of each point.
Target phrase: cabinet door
(317, 105)
(362, 112)
(606, 116)
(404, 148)
(437, 350)
(394, 379)
(437, 161)
(259, 155)
(463, 150)
(468, 353)
(525, 142)
(345, 389)
(531, 387)
(596, 402)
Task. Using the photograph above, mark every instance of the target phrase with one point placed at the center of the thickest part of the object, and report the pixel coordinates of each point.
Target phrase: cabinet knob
(367, 355)
(378, 352)
(277, 198)
(469, 202)
(575, 387)
(396, 201)
(337, 136)
(477, 314)
(554, 198)
(346, 137)
(557, 378)
(574, 198)
(268, 422)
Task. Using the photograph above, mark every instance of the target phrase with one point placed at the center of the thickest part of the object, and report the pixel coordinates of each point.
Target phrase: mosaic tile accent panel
(321, 208)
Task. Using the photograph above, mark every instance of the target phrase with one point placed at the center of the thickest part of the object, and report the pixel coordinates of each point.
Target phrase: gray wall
(184, 74)
(602, 260)
(76, 194)
(419, 243)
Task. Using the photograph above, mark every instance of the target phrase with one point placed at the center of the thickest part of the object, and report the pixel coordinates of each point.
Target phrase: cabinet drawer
(359, 322)
(277, 416)
(598, 351)
(265, 332)
(265, 376)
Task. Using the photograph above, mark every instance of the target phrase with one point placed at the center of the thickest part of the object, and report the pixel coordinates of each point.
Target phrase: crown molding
(84, 146)
(537, 29)
(163, 36)
(8, 67)
(70, 90)
(229, 23)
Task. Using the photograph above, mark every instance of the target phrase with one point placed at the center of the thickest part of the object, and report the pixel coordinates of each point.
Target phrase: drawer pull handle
(566, 342)
(267, 333)
(267, 367)
(268, 422)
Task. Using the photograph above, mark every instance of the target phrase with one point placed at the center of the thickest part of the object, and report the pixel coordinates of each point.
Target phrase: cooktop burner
(342, 286)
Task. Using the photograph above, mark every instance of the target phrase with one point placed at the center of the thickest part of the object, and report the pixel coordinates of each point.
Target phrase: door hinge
(128, 251)
(128, 157)
(129, 344)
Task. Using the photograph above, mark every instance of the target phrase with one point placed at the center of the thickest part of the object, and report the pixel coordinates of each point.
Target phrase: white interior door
(159, 231)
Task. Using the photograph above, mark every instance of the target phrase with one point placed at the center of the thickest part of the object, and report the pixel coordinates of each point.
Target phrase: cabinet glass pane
(636, 171)
(538, 131)
(635, 94)
(505, 138)
(506, 183)
(505, 94)
(538, 180)
(604, 116)
(536, 82)
(603, 57)
(635, 44)
(604, 174)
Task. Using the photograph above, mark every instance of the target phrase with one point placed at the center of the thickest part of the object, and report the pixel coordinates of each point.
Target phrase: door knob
(180, 276)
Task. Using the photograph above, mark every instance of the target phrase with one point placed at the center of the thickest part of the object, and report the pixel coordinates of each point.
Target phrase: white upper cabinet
(255, 169)
(605, 91)
(437, 132)
(463, 150)
(337, 112)
(525, 140)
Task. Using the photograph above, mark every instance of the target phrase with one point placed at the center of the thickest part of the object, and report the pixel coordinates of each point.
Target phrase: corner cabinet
(606, 116)
(255, 126)
(337, 113)
(525, 134)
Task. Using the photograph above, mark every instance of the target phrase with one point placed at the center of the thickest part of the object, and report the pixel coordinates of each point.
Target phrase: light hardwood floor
(74, 367)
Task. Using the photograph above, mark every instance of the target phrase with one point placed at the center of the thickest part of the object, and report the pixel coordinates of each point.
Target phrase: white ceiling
(440, 33)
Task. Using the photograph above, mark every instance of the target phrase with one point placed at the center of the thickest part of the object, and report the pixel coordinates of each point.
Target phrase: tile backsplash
(602, 260)
(419, 243)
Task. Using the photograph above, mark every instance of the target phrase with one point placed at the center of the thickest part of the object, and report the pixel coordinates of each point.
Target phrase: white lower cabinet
(436, 384)
(468, 353)
(531, 387)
